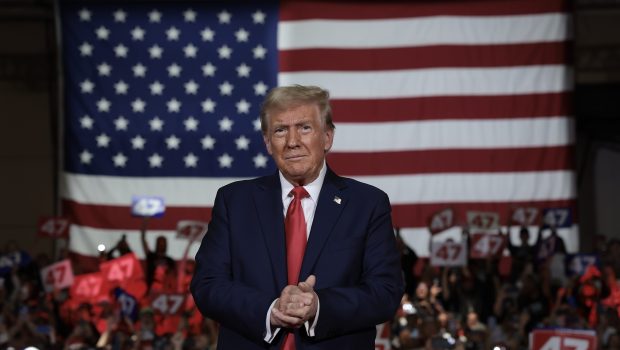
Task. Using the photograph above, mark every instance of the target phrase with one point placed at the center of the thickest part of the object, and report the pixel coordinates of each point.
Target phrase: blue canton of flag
(167, 89)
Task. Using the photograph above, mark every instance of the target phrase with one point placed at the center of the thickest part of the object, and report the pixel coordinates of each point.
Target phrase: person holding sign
(160, 268)
(302, 258)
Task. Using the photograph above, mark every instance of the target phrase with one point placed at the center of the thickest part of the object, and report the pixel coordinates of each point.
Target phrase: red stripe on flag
(452, 107)
(423, 57)
(417, 215)
(300, 10)
(120, 218)
(453, 161)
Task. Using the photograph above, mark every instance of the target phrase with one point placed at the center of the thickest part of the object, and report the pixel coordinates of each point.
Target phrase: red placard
(90, 287)
(121, 269)
(168, 304)
(57, 276)
(525, 216)
(53, 227)
(562, 339)
(448, 253)
(484, 245)
(441, 221)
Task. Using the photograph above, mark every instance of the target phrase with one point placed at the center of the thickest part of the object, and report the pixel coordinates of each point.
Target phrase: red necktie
(296, 239)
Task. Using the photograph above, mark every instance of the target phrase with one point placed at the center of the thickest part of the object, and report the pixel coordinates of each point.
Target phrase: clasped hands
(296, 305)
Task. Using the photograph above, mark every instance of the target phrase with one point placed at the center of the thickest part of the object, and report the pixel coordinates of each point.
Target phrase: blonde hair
(285, 97)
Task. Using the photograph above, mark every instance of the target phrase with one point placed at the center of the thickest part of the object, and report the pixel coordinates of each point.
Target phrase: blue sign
(149, 206)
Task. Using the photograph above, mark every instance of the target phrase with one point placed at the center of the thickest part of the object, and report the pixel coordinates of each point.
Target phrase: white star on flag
(156, 88)
(224, 16)
(138, 105)
(207, 142)
(226, 88)
(119, 160)
(189, 15)
(243, 106)
(258, 17)
(121, 87)
(259, 52)
(121, 123)
(207, 34)
(156, 124)
(86, 157)
(138, 142)
(86, 49)
(191, 124)
(155, 160)
(174, 70)
(87, 86)
(224, 52)
(155, 51)
(260, 161)
(225, 124)
(190, 160)
(120, 16)
(137, 33)
(173, 34)
(225, 160)
(260, 88)
(85, 15)
(102, 33)
(103, 140)
(208, 70)
(104, 69)
(208, 106)
(173, 142)
(154, 16)
(139, 70)
(103, 105)
(242, 142)
(191, 88)
(243, 70)
(87, 122)
(242, 35)
(174, 105)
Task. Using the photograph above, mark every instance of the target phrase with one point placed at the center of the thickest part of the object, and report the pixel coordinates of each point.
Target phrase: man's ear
(329, 139)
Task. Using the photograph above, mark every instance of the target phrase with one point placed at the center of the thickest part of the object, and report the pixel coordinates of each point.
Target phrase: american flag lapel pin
(337, 200)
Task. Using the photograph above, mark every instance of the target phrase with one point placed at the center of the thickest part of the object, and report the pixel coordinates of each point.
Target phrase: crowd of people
(481, 305)
(496, 302)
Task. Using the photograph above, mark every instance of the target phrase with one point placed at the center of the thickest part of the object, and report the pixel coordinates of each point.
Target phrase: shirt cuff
(269, 333)
(310, 328)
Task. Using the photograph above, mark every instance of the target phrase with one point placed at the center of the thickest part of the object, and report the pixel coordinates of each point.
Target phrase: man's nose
(292, 138)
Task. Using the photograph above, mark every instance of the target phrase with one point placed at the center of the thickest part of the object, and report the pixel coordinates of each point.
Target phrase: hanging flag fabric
(440, 104)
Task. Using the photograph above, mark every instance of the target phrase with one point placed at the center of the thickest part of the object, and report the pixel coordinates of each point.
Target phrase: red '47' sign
(562, 339)
(484, 245)
(53, 227)
(57, 276)
(168, 304)
(89, 287)
(124, 268)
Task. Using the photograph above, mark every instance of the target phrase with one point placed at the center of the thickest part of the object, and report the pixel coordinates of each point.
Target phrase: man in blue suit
(269, 290)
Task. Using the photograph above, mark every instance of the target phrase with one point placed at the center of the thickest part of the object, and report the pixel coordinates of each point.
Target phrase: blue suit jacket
(241, 264)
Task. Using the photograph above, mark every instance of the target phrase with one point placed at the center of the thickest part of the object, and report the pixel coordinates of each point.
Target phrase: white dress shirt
(308, 205)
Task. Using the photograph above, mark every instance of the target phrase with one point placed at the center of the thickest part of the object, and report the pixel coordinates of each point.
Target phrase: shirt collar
(313, 188)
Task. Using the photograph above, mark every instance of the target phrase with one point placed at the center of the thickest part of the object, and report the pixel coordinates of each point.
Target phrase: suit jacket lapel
(328, 210)
(268, 203)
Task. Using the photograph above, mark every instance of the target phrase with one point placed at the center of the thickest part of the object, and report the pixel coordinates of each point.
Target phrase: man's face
(297, 140)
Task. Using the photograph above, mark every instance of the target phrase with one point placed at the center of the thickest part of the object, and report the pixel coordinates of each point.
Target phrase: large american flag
(461, 104)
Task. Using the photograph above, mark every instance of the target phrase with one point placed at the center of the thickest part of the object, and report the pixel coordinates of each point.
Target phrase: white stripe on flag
(422, 31)
(84, 240)
(402, 189)
(435, 82)
(453, 134)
